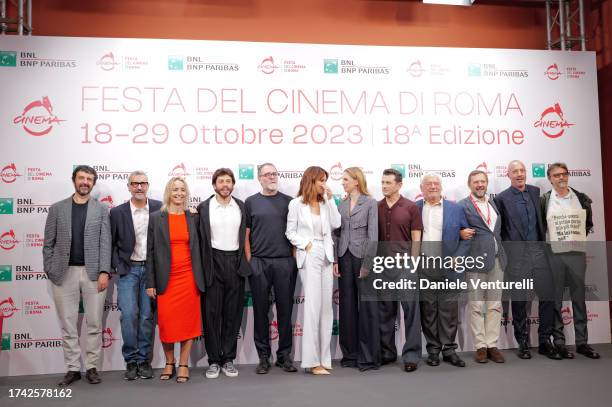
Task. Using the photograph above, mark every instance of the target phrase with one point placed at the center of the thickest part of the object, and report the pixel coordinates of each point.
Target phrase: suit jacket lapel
(129, 222)
(205, 215)
(358, 206)
(89, 215)
(68, 215)
(165, 228)
(307, 215)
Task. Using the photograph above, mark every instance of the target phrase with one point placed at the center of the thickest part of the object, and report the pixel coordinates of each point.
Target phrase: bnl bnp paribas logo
(175, 62)
(6, 273)
(538, 170)
(8, 58)
(246, 171)
(6, 206)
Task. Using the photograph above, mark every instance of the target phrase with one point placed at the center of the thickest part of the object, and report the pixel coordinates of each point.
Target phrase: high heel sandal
(182, 379)
(168, 376)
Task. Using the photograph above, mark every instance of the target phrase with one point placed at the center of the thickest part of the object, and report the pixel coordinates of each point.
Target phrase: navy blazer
(512, 229)
(122, 231)
(244, 269)
(453, 220)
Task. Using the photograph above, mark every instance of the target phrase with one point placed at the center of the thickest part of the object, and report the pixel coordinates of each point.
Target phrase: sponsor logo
(8, 58)
(337, 198)
(25, 341)
(179, 170)
(27, 206)
(538, 170)
(566, 315)
(401, 168)
(109, 62)
(336, 328)
(267, 66)
(350, 67)
(37, 118)
(6, 272)
(483, 167)
(501, 171)
(111, 306)
(198, 63)
(6, 206)
(108, 338)
(33, 240)
(108, 201)
(416, 69)
(36, 174)
(6, 341)
(552, 122)
(204, 173)
(8, 308)
(248, 299)
(31, 60)
(35, 307)
(25, 272)
(417, 171)
(274, 330)
(494, 71)
(289, 174)
(552, 72)
(106, 173)
(297, 329)
(335, 172)
(8, 240)
(9, 174)
(246, 171)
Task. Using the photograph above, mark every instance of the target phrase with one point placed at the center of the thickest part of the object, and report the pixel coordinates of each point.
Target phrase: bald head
(517, 174)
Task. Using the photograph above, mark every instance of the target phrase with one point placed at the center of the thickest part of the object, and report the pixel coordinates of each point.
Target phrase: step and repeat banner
(188, 107)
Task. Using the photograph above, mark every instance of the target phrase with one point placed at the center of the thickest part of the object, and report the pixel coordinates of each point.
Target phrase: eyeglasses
(560, 175)
(270, 175)
(139, 184)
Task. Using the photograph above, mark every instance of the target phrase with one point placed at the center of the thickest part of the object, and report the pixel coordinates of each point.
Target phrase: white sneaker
(229, 369)
(213, 371)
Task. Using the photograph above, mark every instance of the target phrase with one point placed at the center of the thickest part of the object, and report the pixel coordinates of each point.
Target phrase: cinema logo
(297, 329)
(108, 338)
(494, 71)
(566, 315)
(106, 173)
(416, 69)
(268, 66)
(33, 240)
(9, 174)
(553, 72)
(274, 330)
(552, 122)
(36, 174)
(25, 341)
(25, 272)
(199, 64)
(35, 307)
(179, 170)
(26, 206)
(37, 118)
(8, 240)
(32, 60)
(108, 201)
(108, 62)
(8, 308)
(204, 173)
(350, 67)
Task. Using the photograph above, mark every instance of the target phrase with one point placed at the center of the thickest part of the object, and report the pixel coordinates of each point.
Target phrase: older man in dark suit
(129, 222)
(523, 234)
(77, 261)
(485, 308)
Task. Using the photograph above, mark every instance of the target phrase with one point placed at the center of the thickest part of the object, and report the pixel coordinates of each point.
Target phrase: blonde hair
(357, 174)
(168, 193)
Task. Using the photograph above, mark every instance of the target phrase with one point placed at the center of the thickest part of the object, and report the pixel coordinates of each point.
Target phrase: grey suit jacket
(483, 242)
(159, 253)
(358, 229)
(58, 239)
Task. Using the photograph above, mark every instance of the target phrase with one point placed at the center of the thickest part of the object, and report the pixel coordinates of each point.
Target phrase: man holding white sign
(567, 218)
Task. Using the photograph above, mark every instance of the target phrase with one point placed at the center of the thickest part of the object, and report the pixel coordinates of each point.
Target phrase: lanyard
(488, 218)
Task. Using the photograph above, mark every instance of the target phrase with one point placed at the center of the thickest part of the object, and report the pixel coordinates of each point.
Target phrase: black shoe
(587, 351)
(348, 363)
(564, 352)
(410, 367)
(548, 349)
(286, 365)
(92, 376)
(263, 367)
(454, 360)
(433, 359)
(131, 371)
(523, 351)
(145, 371)
(69, 378)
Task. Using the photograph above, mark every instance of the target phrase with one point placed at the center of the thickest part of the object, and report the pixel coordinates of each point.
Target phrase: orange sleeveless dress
(178, 308)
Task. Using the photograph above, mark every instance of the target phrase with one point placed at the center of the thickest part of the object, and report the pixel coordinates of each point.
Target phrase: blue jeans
(137, 324)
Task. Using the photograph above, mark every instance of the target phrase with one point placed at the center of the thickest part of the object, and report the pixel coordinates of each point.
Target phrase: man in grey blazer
(485, 308)
(77, 261)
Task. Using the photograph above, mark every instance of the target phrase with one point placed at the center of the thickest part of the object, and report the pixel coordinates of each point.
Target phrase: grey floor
(518, 383)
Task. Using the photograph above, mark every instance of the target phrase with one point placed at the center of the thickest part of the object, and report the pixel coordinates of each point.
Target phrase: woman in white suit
(312, 217)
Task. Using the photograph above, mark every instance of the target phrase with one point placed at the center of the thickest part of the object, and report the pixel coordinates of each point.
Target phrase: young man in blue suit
(443, 221)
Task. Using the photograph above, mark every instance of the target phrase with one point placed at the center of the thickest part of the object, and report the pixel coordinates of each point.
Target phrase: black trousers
(279, 274)
(569, 269)
(439, 320)
(387, 313)
(359, 333)
(532, 263)
(223, 307)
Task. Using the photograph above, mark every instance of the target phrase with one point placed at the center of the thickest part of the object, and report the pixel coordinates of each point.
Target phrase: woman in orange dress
(175, 276)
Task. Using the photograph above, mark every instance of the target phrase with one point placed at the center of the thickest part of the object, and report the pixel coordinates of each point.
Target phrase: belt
(137, 263)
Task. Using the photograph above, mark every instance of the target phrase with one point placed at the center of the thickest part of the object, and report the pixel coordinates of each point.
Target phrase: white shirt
(224, 224)
(432, 227)
(569, 201)
(317, 227)
(140, 218)
(486, 211)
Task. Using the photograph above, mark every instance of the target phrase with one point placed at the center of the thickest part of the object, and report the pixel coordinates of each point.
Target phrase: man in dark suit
(485, 307)
(129, 222)
(223, 231)
(443, 221)
(523, 234)
(77, 261)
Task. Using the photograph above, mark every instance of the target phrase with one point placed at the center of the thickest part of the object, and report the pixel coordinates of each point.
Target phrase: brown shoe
(481, 355)
(495, 355)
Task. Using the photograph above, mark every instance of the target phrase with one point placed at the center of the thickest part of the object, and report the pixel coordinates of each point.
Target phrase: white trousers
(66, 297)
(317, 282)
(485, 309)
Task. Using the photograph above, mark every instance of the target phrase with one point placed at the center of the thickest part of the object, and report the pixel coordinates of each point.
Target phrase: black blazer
(122, 231)
(511, 225)
(158, 251)
(244, 269)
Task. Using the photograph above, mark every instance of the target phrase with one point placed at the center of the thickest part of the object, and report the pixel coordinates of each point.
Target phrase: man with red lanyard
(484, 307)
